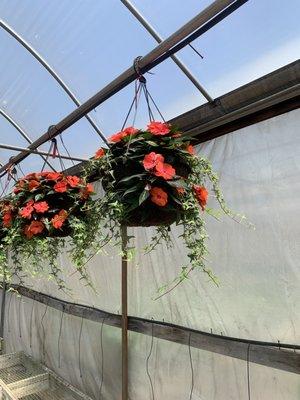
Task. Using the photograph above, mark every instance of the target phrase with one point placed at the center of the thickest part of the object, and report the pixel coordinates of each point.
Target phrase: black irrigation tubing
(147, 365)
(192, 367)
(59, 336)
(34, 294)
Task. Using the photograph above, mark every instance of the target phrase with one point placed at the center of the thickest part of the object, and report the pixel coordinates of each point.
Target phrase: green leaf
(178, 183)
(152, 143)
(143, 196)
(128, 178)
(38, 196)
(131, 190)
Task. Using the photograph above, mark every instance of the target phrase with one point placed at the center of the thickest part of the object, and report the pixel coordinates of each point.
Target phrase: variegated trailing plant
(153, 177)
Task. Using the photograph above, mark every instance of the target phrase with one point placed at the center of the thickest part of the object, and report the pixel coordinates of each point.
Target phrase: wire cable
(147, 364)
(59, 335)
(30, 328)
(19, 308)
(192, 367)
(8, 313)
(79, 347)
(44, 332)
(248, 372)
(102, 358)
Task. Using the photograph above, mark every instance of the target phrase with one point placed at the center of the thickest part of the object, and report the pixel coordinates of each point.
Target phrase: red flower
(33, 175)
(53, 176)
(41, 207)
(34, 228)
(60, 187)
(99, 154)
(159, 196)
(73, 181)
(201, 194)
(117, 137)
(19, 186)
(26, 211)
(190, 149)
(158, 128)
(7, 219)
(33, 184)
(180, 190)
(58, 220)
(130, 130)
(164, 170)
(87, 191)
(151, 160)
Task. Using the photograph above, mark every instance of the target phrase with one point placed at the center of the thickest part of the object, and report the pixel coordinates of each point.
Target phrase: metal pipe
(44, 153)
(51, 71)
(21, 131)
(135, 12)
(127, 76)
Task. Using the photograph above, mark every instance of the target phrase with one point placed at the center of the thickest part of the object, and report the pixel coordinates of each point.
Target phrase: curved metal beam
(21, 131)
(51, 71)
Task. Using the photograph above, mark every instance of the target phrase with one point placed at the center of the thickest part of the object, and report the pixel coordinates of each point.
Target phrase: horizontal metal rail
(278, 355)
(43, 153)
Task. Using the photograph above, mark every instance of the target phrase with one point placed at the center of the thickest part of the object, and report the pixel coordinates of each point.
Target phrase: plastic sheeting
(258, 297)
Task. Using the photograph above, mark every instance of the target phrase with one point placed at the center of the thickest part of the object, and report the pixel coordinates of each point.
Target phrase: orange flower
(130, 130)
(190, 149)
(117, 137)
(159, 196)
(7, 219)
(158, 128)
(87, 191)
(33, 184)
(176, 135)
(19, 186)
(99, 154)
(180, 190)
(164, 170)
(41, 207)
(34, 228)
(151, 160)
(73, 181)
(53, 176)
(33, 175)
(60, 187)
(201, 194)
(58, 220)
(26, 211)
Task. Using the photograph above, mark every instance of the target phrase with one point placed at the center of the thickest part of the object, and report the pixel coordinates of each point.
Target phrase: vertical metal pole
(124, 314)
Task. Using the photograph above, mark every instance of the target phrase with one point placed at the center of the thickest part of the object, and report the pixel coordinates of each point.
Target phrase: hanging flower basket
(153, 177)
(146, 171)
(42, 211)
(46, 201)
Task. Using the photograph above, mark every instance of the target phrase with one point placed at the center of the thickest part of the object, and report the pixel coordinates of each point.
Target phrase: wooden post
(124, 314)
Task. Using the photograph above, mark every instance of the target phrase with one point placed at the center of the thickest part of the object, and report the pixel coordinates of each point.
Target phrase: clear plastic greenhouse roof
(89, 43)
